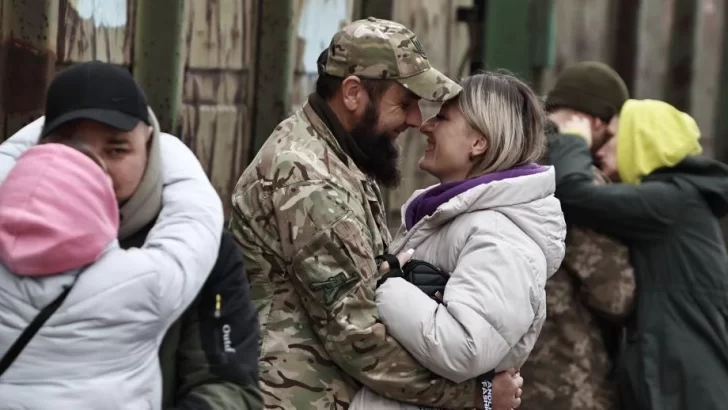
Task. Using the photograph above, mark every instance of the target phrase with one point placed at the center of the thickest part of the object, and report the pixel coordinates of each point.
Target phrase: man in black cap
(209, 358)
(593, 290)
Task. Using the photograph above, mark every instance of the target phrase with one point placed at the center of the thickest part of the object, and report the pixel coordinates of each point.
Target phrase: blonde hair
(511, 117)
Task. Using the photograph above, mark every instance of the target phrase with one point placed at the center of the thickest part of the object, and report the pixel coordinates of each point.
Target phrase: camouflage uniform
(592, 292)
(310, 223)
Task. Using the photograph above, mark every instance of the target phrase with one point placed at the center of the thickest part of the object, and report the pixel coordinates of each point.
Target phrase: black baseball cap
(95, 91)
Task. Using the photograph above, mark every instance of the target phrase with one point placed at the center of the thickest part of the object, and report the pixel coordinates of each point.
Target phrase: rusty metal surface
(28, 56)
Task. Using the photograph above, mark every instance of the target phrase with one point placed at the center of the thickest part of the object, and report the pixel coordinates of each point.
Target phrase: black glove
(394, 269)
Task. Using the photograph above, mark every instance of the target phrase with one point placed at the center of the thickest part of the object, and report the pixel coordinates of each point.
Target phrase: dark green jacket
(209, 362)
(676, 352)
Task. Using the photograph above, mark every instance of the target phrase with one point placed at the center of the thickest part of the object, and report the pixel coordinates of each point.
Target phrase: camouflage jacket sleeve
(625, 211)
(328, 248)
(217, 357)
(602, 267)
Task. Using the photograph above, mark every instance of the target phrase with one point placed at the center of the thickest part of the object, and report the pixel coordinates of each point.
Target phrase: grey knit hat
(590, 87)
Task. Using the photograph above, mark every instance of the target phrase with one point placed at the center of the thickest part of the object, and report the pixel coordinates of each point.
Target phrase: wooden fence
(665, 49)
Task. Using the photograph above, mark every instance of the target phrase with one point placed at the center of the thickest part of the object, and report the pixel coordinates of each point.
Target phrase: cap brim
(432, 85)
(114, 119)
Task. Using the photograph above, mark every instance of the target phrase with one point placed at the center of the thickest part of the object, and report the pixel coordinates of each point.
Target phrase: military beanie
(590, 87)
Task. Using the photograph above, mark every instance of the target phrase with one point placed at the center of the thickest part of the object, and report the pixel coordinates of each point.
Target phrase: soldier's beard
(381, 150)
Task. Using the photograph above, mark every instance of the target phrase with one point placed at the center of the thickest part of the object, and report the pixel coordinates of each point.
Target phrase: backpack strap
(30, 331)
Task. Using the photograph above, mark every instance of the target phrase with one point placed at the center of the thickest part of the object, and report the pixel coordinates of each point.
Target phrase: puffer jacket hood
(653, 134)
(136, 213)
(57, 212)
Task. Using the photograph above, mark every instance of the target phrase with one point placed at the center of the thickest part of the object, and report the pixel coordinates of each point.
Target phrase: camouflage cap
(382, 49)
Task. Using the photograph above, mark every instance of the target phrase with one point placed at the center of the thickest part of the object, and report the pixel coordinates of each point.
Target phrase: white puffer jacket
(100, 349)
(500, 242)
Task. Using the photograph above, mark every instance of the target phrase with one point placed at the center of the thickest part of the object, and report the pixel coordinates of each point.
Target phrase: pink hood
(58, 212)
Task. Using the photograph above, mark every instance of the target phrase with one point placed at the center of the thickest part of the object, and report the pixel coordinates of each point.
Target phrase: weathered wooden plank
(582, 31)
(298, 43)
(219, 33)
(316, 21)
(624, 53)
(374, 8)
(96, 30)
(431, 21)
(721, 106)
(679, 76)
(303, 85)
(459, 43)
(60, 66)
(209, 87)
(216, 133)
(655, 18)
(219, 54)
(706, 66)
(583, 28)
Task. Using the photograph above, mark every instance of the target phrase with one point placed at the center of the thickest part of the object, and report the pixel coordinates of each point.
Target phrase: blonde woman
(492, 224)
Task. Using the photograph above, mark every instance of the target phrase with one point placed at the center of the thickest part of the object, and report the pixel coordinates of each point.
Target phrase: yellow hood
(653, 134)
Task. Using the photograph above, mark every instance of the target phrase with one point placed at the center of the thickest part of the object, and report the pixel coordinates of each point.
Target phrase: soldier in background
(593, 291)
(310, 219)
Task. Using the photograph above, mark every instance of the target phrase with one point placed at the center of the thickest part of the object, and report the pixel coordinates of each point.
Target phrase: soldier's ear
(353, 93)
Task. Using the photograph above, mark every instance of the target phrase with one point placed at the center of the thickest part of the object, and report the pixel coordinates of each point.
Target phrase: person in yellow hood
(667, 210)
(652, 134)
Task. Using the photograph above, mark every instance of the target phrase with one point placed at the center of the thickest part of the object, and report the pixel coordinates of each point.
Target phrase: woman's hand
(578, 125)
(507, 390)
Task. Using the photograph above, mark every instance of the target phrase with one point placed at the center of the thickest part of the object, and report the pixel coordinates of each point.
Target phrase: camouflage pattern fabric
(310, 225)
(608, 291)
(382, 49)
(569, 366)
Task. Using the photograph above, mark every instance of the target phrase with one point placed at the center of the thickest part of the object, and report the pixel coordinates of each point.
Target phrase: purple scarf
(427, 202)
